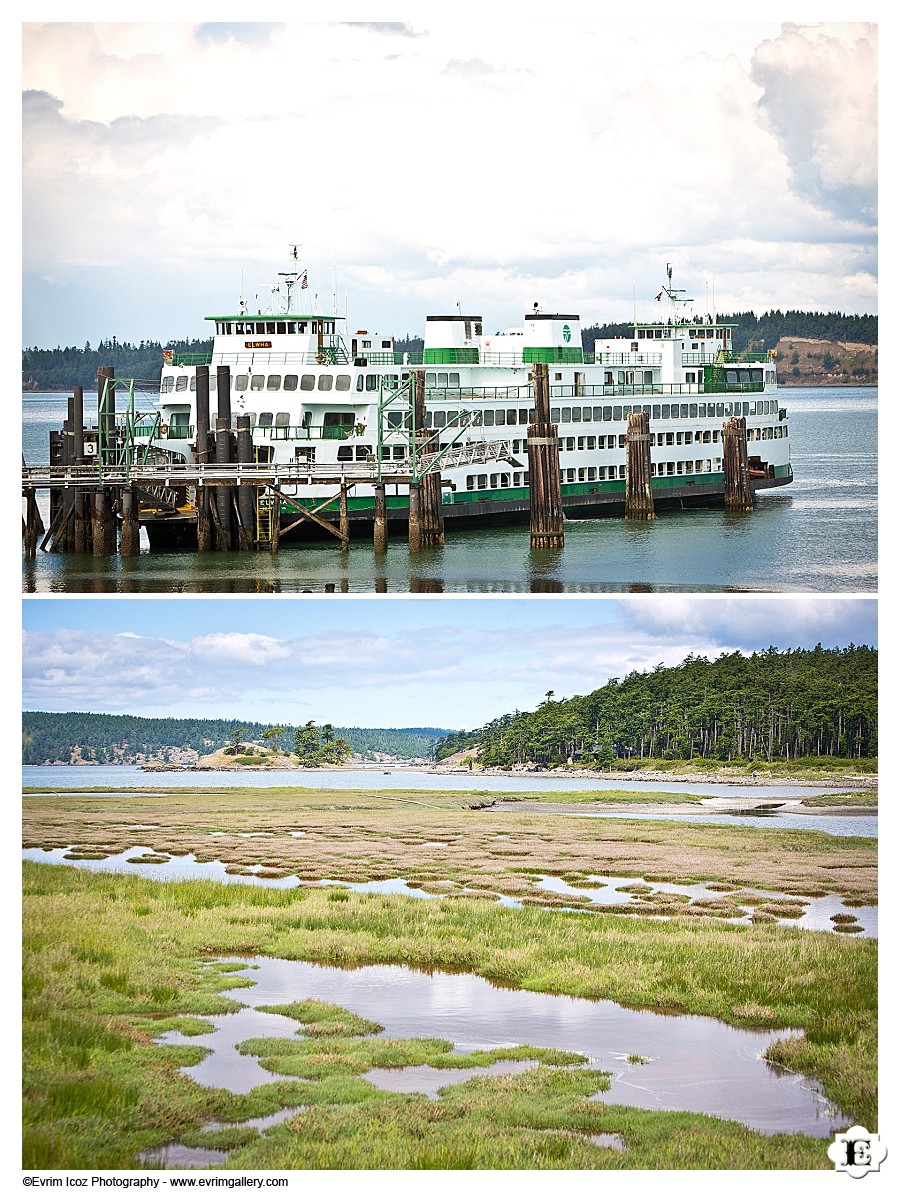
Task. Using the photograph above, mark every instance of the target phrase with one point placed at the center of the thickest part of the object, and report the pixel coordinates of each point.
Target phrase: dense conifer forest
(768, 706)
(49, 369)
(103, 739)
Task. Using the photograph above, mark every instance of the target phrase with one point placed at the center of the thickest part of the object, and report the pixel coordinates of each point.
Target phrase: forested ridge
(108, 739)
(768, 706)
(49, 369)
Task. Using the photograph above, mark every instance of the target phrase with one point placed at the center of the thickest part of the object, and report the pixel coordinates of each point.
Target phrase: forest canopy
(766, 706)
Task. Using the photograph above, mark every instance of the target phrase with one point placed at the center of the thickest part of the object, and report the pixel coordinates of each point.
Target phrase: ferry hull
(178, 531)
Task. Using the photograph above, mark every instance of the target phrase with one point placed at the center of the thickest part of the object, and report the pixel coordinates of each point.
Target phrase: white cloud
(447, 162)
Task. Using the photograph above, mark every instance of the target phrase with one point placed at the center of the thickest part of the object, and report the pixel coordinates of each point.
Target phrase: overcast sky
(491, 156)
(392, 662)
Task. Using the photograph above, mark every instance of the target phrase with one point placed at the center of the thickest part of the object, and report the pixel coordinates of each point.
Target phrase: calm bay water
(127, 779)
(817, 535)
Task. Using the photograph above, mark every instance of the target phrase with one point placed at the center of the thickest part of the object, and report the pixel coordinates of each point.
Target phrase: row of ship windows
(362, 452)
(343, 382)
(562, 415)
(680, 467)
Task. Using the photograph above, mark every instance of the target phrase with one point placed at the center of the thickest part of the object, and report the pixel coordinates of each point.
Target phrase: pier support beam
(545, 486)
(638, 483)
(738, 494)
(381, 524)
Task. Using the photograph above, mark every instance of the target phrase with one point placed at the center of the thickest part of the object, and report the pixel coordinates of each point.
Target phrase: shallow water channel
(816, 914)
(690, 1062)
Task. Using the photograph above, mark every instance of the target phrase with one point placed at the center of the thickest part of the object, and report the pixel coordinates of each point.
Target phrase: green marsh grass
(98, 1090)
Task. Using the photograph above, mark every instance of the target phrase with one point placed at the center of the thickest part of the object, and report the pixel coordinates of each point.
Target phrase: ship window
(265, 419)
(429, 378)
(470, 483)
(607, 413)
(442, 380)
(273, 383)
(241, 381)
(576, 413)
(339, 418)
(482, 480)
(371, 381)
(690, 378)
(488, 418)
(607, 378)
(193, 385)
(282, 329)
(440, 418)
(399, 453)
(692, 410)
(500, 417)
(181, 383)
(626, 410)
(342, 382)
(282, 418)
(256, 382)
(270, 328)
(290, 382)
(308, 382)
(363, 453)
(344, 454)
(617, 414)
(387, 344)
(566, 414)
(622, 440)
(326, 380)
(554, 415)
(570, 444)
(168, 384)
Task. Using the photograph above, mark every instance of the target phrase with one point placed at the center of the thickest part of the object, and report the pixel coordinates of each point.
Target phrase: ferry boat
(338, 405)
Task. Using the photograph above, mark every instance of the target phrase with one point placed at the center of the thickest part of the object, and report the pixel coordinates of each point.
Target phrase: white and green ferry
(337, 405)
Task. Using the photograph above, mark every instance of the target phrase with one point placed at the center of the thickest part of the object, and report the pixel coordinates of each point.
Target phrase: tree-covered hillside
(103, 739)
(762, 707)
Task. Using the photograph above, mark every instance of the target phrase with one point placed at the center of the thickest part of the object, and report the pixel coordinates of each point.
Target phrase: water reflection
(693, 1063)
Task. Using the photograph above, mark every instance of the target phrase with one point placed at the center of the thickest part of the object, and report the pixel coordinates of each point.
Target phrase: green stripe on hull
(661, 484)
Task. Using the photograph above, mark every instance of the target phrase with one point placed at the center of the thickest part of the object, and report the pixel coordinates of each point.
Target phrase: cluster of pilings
(85, 521)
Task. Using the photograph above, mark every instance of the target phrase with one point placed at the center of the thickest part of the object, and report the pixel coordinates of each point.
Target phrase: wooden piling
(65, 538)
(344, 520)
(415, 517)
(638, 483)
(381, 523)
(246, 493)
(431, 506)
(81, 528)
(545, 485)
(33, 525)
(202, 455)
(223, 491)
(103, 523)
(738, 494)
(223, 497)
(130, 532)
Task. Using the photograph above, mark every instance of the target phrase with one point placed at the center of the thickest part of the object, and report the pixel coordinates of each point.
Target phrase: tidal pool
(614, 891)
(691, 1062)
